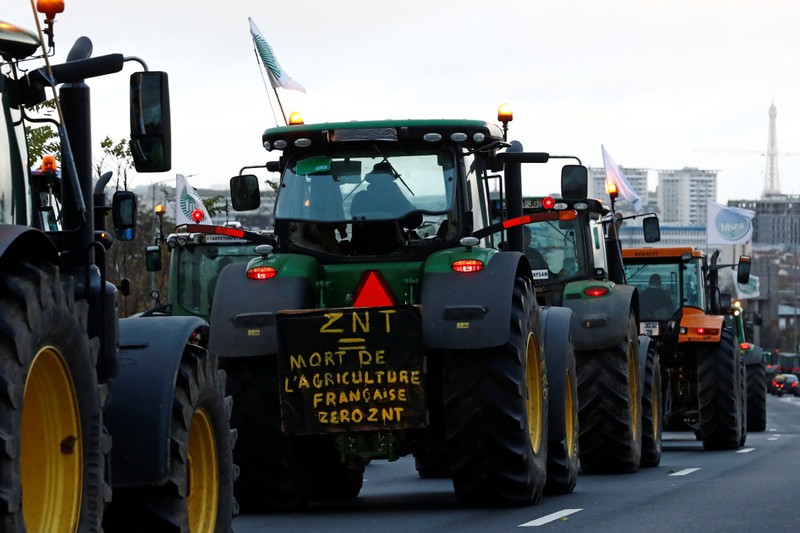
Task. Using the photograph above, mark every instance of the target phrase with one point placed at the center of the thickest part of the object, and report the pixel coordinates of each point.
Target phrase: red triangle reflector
(373, 291)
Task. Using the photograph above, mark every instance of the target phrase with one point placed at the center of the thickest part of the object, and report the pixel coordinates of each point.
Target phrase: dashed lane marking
(684, 472)
(745, 450)
(550, 518)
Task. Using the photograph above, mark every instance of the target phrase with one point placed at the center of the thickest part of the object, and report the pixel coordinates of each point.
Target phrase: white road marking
(685, 472)
(746, 450)
(773, 438)
(550, 518)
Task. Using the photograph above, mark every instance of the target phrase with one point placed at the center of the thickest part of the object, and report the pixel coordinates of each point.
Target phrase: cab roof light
(611, 187)
(160, 210)
(548, 202)
(198, 215)
(49, 163)
(296, 118)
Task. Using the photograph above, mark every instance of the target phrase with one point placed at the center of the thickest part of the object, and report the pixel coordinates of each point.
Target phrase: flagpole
(280, 105)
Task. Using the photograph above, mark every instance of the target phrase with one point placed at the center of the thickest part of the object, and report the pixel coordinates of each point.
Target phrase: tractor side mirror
(151, 146)
(651, 229)
(245, 194)
(123, 215)
(574, 182)
(743, 270)
(152, 258)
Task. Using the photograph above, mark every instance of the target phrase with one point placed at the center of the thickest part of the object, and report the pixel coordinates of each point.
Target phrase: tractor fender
(243, 315)
(602, 322)
(754, 356)
(471, 310)
(140, 405)
(646, 343)
(23, 242)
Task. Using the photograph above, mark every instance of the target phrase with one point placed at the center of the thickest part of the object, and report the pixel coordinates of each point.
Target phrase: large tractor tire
(719, 394)
(198, 495)
(610, 406)
(756, 397)
(430, 456)
(562, 383)
(495, 406)
(651, 411)
(273, 475)
(52, 440)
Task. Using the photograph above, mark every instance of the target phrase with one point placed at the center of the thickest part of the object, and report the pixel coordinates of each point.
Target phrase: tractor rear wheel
(495, 405)
(651, 411)
(562, 384)
(198, 495)
(610, 406)
(274, 475)
(756, 397)
(718, 394)
(51, 421)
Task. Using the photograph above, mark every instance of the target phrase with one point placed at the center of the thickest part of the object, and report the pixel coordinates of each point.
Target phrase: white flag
(615, 175)
(749, 290)
(187, 200)
(277, 76)
(728, 225)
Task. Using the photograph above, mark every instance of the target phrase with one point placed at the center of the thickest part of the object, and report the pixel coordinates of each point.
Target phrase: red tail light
(595, 291)
(744, 345)
(708, 331)
(467, 265)
(261, 273)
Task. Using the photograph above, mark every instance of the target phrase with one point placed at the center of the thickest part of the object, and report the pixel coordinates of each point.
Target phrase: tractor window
(560, 245)
(366, 205)
(659, 288)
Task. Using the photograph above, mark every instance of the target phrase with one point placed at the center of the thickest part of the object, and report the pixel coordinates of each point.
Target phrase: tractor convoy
(409, 301)
(105, 423)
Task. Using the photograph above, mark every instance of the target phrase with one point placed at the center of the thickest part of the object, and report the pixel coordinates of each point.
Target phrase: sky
(662, 85)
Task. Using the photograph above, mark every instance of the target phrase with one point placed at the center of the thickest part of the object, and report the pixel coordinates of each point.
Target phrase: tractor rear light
(548, 202)
(261, 273)
(744, 346)
(467, 265)
(595, 291)
(567, 214)
(708, 331)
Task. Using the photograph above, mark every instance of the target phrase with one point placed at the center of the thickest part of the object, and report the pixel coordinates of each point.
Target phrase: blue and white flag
(728, 225)
(277, 76)
(616, 176)
(187, 200)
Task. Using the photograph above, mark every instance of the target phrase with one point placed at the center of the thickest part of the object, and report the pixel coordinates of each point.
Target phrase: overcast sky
(662, 85)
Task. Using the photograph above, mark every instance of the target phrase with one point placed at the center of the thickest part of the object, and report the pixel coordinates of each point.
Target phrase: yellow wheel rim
(51, 447)
(570, 417)
(633, 389)
(533, 374)
(202, 475)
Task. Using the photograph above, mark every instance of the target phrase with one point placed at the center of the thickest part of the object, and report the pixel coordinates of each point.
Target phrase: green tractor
(756, 371)
(383, 321)
(576, 264)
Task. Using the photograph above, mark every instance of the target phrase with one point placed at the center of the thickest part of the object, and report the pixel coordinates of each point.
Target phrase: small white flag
(728, 225)
(616, 176)
(187, 200)
(277, 76)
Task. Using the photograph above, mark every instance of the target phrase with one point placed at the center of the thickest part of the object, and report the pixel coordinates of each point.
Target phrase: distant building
(683, 195)
(777, 218)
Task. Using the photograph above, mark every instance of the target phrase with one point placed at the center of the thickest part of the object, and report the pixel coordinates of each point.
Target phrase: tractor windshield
(356, 204)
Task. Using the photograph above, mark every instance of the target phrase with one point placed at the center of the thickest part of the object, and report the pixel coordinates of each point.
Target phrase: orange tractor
(702, 371)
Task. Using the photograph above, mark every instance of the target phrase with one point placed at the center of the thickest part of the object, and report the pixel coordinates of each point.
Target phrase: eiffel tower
(772, 181)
